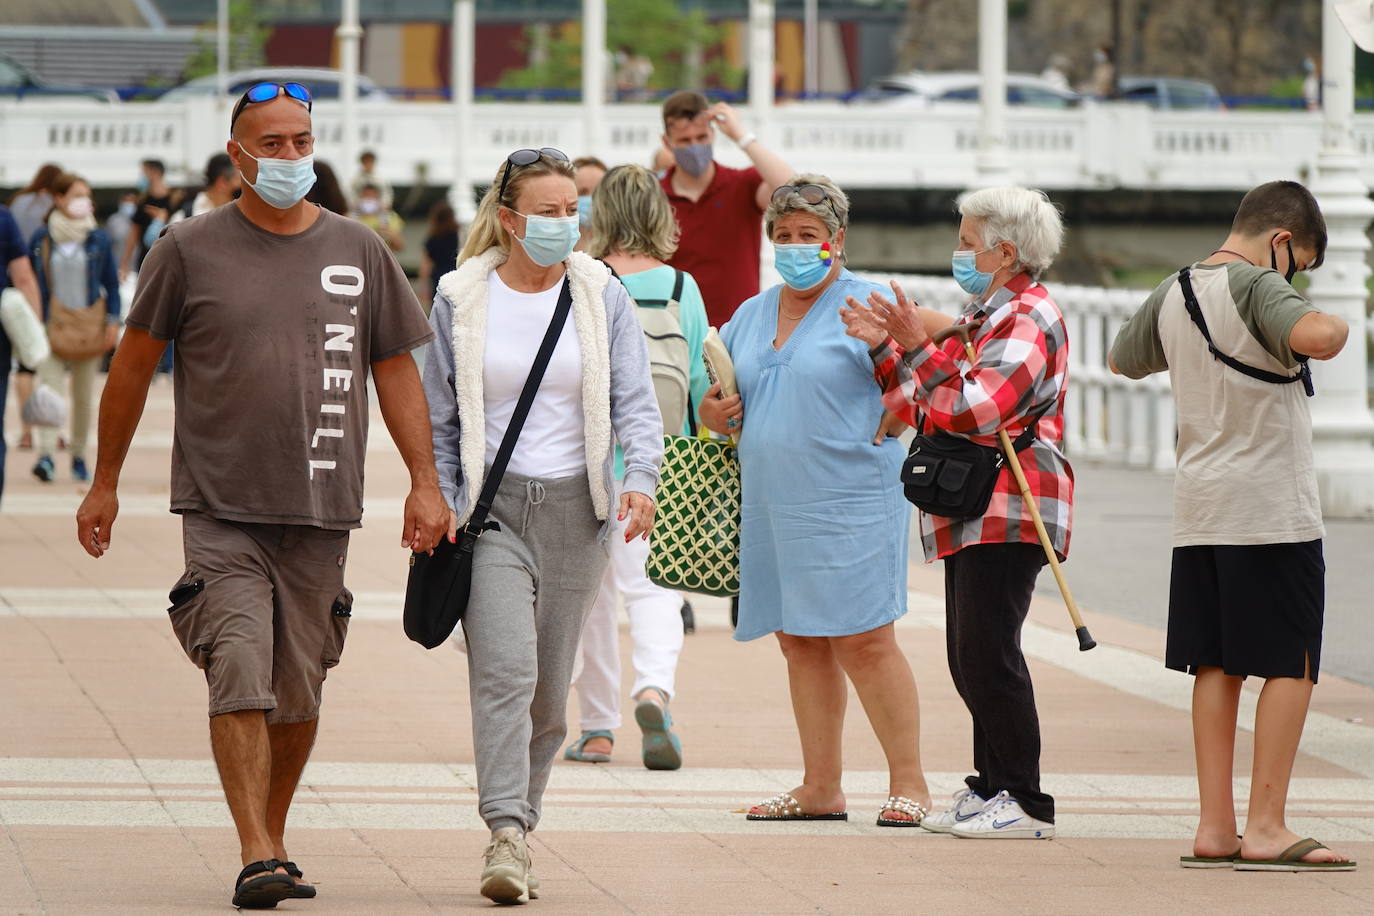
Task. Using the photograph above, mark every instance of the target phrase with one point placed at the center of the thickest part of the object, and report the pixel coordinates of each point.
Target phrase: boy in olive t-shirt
(1246, 591)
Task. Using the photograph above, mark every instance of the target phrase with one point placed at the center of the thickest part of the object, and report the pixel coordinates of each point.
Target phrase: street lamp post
(349, 34)
(761, 62)
(992, 163)
(462, 55)
(811, 27)
(222, 52)
(593, 76)
(1342, 428)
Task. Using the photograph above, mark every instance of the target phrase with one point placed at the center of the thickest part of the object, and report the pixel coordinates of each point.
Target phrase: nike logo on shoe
(998, 825)
(966, 817)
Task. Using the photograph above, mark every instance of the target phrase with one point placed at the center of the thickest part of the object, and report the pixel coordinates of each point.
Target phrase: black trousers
(987, 596)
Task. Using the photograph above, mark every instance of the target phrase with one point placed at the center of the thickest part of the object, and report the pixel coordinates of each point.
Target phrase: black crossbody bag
(438, 586)
(952, 477)
(1195, 312)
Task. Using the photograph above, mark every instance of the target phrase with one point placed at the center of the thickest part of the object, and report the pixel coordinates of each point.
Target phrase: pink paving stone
(116, 688)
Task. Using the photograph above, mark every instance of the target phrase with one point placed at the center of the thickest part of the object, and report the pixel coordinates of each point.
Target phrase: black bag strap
(1028, 435)
(677, 285)
(1195, 312)
(478, 522)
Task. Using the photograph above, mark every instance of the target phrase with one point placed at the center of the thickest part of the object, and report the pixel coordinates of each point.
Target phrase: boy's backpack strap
(1195, 313)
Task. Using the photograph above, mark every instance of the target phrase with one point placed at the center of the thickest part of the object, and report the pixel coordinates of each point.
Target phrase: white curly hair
(1022, 216)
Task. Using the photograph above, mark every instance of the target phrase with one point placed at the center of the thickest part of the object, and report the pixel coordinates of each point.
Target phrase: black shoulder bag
(438, 586)
(952, 477)
(1195, 312)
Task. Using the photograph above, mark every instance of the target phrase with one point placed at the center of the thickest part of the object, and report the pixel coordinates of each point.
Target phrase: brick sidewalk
(109, 802)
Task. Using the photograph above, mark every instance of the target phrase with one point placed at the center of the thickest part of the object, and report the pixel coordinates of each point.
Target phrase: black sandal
(303, 891)
(264, 891)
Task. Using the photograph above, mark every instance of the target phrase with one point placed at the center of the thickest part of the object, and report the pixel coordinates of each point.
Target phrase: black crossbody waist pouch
(952, 477)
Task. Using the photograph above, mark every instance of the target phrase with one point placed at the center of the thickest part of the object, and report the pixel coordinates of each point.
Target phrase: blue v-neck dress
(824, 528)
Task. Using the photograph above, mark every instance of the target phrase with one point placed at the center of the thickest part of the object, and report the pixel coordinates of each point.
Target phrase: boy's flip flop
(785, 807)
(1291, 860)
(1209, 861)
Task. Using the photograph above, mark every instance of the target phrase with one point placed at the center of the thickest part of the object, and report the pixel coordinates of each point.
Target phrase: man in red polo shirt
(719, 209)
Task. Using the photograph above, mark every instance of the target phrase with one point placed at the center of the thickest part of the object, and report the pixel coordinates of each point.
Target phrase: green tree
(247, 42)
(657, 29)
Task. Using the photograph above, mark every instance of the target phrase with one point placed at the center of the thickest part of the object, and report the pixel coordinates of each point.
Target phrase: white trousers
(655, 628)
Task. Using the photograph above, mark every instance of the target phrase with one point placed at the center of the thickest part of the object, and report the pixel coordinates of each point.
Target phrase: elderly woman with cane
(1011, 380)
(823, 537)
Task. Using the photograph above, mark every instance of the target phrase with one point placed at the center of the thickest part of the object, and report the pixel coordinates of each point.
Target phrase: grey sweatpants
(533, 583)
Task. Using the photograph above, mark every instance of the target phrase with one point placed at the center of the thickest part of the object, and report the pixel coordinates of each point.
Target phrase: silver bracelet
(748, 138)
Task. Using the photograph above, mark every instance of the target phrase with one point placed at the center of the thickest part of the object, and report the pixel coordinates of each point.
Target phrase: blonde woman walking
(536, 575)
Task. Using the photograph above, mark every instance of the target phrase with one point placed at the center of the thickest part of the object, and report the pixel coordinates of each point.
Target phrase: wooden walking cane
(1085, 641)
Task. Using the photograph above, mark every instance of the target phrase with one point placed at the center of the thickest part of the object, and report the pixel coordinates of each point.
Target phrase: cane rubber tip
(1085, 640)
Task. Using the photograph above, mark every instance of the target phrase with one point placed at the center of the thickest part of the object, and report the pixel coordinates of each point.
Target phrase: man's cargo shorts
(263, 610)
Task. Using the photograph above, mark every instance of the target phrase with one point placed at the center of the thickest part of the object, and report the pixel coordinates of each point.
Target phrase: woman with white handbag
(79, 282)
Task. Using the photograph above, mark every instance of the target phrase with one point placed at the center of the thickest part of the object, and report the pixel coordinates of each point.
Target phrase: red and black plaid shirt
(1023, 363)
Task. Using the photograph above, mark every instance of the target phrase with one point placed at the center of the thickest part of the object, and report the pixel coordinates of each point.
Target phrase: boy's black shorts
(1249, 610)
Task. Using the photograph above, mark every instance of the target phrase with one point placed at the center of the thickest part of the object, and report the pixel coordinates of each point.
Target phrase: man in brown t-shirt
(279, 309)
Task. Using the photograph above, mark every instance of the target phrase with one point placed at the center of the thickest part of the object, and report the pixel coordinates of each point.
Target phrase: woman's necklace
(784, 314)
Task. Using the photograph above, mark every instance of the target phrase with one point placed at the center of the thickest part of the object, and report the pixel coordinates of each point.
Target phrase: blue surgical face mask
(584, 210)
(966, 273)
(142, 184)
(282, 182)
(801, 266)
(694, 159)
(549, 239)
(126, 208)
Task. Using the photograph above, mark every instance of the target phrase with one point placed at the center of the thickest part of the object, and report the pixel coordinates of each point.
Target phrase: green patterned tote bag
(695, 543)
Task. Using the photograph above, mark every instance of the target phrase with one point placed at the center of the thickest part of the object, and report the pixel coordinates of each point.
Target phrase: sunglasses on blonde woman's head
(266, 92)
(523, 157)
(811, 193)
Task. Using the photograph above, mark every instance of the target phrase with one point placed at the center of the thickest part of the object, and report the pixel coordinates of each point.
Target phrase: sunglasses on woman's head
(811, 193)
(523, 157)
(266, 92)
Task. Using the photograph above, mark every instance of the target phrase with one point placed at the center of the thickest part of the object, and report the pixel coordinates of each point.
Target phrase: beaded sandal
(785, 807)
(905, 806)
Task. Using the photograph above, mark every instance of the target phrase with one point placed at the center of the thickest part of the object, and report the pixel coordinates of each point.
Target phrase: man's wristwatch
(748, 138)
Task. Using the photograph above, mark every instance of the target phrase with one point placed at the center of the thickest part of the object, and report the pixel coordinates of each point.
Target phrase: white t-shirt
(553, 442)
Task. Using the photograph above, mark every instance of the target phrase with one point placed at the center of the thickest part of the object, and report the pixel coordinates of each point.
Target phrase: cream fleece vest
(466, 289)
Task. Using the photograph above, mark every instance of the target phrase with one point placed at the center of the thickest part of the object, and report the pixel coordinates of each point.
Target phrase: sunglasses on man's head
(266, 92)
(523, 157)
(811, 193)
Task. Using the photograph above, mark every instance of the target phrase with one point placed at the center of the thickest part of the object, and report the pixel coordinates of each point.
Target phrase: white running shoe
(506, 877)
(1003, 818)
(968, 804)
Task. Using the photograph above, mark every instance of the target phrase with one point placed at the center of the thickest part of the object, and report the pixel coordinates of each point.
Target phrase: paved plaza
(109, 800)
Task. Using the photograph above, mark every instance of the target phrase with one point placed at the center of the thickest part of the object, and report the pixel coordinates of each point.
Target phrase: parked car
(322, 82)
(18, 82)
(920, 89)
(1169, 92)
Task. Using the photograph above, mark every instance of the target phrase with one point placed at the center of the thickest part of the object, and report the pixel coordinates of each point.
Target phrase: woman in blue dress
(823, 540)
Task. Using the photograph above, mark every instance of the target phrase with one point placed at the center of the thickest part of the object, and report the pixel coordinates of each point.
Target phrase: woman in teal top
(633, 231)
(823, 539)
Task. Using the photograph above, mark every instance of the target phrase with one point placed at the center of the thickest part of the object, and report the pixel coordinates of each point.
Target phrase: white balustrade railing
(1107, 417)
(1095, 146)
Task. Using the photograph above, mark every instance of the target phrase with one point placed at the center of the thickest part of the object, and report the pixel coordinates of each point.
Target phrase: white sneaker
(1003, 818)
(506, 877)
(968, 804)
